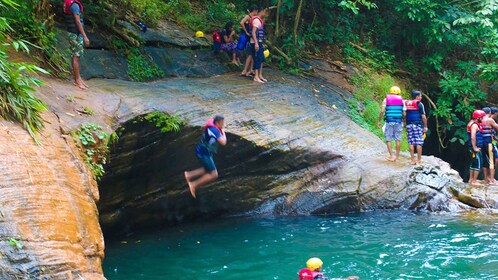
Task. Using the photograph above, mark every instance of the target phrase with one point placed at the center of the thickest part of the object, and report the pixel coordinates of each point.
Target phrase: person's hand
(247, 33)
(477, 150)
(86, 41)
(256, 47)
(425, 129)
(378, 124)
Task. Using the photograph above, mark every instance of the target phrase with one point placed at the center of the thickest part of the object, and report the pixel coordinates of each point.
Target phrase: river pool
(376, 245)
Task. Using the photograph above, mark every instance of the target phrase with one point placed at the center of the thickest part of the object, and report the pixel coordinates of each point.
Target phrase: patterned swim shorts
(76, 44)
(415, 134)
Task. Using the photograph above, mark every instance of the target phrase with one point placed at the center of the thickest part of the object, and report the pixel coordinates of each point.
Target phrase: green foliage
(17, 83)
(94, 146)
(149, 11)
(33, 21)
(15, 243)
(354, 5)
(88, 111)
(164, 121)
(142, 68)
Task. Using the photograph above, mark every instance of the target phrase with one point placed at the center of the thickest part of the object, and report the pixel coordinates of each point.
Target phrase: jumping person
(395, 110)
(212, 137)
(245, 23)
(257, 38)
(474, 132)
(312, 270)
(489, 152)
(73, 16)
(416, 125)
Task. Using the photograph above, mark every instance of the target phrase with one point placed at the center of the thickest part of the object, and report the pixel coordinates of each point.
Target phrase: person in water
(416, 125)
(245, 24)
(73, 17)
(395, 111)
(474, 132)
(312, 270)
(212, 137)
(489, 152)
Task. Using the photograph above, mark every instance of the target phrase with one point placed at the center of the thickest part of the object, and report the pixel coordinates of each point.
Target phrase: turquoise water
(379, 245)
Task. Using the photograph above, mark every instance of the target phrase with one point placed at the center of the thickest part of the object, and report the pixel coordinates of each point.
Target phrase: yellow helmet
(266, 53)
(199, 34)
(314, 264)
(395, 90)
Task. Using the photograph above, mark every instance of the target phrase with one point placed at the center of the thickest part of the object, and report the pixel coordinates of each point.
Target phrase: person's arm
(81, 30)
(381, 115)
(226, 38)
(254, 30)
(421, 110)
(222, 139)
(424, 120)
(243, 24)
(491, 122)
(473, 133)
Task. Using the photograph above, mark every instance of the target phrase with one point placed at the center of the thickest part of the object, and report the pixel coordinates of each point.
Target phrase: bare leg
(194, 173)
(473, 175)
(485, 171)
(256, 77)
(247, 66)
(76, 70)
(390, 151)
(204, 179)
(261, 74)
(412, 155)
(398, 147)
(419, 155)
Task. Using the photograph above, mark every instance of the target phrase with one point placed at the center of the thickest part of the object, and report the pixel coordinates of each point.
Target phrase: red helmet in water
(478, 114)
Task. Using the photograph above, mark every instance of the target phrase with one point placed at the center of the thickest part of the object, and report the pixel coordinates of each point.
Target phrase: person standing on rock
(245, 23)
(416, 125)
(394, 109)
(489, 152)
(474, 132)
(212, 137)
(257, 38)
(73, 17)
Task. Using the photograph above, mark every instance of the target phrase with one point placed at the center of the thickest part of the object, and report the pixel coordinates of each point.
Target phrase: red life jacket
(216, 37)
(67, 5)
(210, 123)
(412, 105)
(252, 20)
(305, 274)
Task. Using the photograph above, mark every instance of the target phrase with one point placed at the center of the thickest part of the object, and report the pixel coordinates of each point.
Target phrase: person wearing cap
(489, 152)
(395, 110)
(312, 270)
(474, 132)
(416, 125)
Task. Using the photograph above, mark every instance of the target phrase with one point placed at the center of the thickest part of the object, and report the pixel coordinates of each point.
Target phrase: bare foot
(475, 184)
(413, 162)
(236, 63)
(186, 176)
(83, 82)
(192, 189)
(390, 159)
(80, 85)
(263, 79)
(420, 163)
(258, 80)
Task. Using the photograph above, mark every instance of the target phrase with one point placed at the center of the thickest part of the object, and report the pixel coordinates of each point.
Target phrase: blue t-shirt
(75, 9)
(209, 142)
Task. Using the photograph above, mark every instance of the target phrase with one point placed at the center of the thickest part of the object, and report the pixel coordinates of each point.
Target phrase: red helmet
(477, 114)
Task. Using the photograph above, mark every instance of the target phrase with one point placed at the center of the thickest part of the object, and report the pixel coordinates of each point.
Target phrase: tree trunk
(278, 18)
(296, 21)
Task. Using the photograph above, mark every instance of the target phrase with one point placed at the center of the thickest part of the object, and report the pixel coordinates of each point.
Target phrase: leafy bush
(164, 121)
(142, 68)
(93, 142)
(16, 85)
(150, 11)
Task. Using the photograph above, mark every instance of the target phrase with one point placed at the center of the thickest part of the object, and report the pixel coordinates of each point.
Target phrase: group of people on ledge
(313, 271)
(481, 131)
(396, 111)
(250, 40)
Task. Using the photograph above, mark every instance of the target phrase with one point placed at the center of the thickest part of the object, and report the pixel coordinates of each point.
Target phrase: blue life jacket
(209, 141)
(260, 32)
(413, 115)
(394, 108)
(479, 139)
